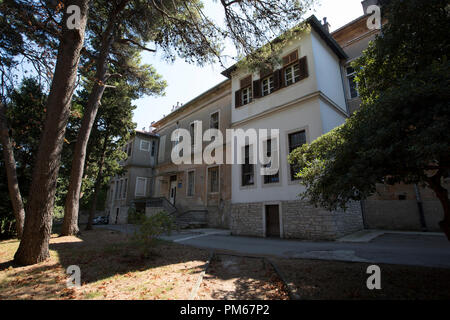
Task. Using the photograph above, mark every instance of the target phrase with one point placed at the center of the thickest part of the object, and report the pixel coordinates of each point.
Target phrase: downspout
(423, 224)
(363, 214)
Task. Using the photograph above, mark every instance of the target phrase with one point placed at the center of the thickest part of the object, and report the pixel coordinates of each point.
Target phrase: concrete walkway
(371, 246)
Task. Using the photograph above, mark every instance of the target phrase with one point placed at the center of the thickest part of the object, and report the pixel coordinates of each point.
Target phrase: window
(153, 148)
(192, 132)
(162, 147)
(119, 189)
(214, 120)
(247, 169)
(141, 187)
(116, 189)
(352, 83)
(213, 179)
(292, 74)
(275, 178)
(246, 95)
(145, 145)
(191, 183)
(125, 185)
(296, 139)
(267, 85)
(129, 148)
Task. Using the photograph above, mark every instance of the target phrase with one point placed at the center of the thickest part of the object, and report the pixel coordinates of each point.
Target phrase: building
(400, 206)
(308, 94)
(303, 98)
(199, 193)
(136, 185)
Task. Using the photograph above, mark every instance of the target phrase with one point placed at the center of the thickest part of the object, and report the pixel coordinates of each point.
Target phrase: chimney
(326, 25)
(143, 129)
(366, 3)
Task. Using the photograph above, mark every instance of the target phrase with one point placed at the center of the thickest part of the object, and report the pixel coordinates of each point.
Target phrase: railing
(161, 202)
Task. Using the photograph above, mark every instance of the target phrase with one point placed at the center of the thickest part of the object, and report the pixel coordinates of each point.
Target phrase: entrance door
(172, 192)
(272, 221)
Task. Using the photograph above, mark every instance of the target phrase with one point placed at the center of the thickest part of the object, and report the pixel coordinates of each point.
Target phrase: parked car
(100, 220)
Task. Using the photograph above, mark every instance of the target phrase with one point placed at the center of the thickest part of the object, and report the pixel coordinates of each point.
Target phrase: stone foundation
(299, 220)
(219, 216)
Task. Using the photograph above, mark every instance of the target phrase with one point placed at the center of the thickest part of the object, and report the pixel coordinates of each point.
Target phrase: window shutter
(247, 81)
(265, 72)
(277, 79)
(237, 99)
(290, 58)
(282, 77)
(256, 89)
(303, 67)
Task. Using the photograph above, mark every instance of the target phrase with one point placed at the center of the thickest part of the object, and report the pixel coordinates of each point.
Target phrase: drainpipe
(423, 224)
(363, 214)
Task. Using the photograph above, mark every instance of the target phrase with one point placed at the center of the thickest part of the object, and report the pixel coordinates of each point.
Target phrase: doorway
(272, 221)
(173, 189)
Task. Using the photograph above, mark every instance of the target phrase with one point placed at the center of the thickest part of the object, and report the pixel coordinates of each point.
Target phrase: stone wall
(299, 219)
(402, 214)
(219, 216)
(122, 217)
(303, 221)
(246, 219)
(149, 211)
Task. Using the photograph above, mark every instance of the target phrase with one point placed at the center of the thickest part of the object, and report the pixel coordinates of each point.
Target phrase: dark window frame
(292, 168)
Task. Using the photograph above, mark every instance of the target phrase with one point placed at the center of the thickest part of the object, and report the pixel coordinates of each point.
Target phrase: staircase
(185, 220)
(192, 219)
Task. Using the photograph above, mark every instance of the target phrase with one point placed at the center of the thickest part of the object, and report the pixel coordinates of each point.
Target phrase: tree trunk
(97, 186)
(11, 173)
(72, 203)
(33, 247)
(442, 194)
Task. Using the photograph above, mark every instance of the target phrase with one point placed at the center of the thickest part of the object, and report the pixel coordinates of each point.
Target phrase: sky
(186, 81)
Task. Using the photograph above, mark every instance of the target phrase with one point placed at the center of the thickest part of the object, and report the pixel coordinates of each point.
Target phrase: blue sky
(186, 81)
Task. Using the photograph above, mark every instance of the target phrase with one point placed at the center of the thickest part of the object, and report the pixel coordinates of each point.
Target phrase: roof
(349, 24)
(146, 133)
(191, 102)
(324, 34)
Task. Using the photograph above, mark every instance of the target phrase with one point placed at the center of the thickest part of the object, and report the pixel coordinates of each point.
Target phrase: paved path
(420, 249)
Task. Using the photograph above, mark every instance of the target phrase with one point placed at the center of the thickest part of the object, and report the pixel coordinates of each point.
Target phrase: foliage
(25, 113)
(150, 228)
(134, 216)
(400, 134)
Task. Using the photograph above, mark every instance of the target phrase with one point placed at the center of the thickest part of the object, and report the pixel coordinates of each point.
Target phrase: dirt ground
(241, 278)
(319, 279)
(111, 268)
(114, 267)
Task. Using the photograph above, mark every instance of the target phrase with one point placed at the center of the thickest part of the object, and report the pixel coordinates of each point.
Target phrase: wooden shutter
(303, 67)
(282, 77)
(257, 89)
(277, 75)
(290, 58)
(265, 72)
(246, 82)
(237, 98)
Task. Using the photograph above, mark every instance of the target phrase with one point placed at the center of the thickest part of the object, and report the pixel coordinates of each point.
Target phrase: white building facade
(303, 98)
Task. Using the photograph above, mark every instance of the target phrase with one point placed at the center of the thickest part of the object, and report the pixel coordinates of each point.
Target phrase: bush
(150, 228)
(135, 217)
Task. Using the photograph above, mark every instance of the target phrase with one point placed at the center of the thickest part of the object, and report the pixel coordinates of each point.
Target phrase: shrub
(135, 217)
(150, 228)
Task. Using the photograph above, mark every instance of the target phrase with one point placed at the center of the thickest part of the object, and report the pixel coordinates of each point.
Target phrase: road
(420, 249)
